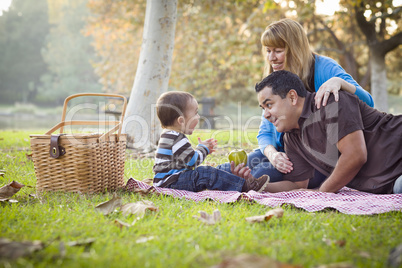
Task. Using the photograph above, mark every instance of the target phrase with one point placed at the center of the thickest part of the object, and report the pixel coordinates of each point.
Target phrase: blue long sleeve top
(324, 69)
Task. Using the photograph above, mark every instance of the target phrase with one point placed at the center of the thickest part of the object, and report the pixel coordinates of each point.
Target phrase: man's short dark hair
(281, 82)
(171, 105)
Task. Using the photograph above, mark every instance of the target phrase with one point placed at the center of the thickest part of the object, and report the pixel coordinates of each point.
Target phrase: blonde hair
(290, 35)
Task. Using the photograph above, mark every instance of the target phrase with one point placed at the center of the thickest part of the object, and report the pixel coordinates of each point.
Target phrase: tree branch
(386, 15)
(366, 27)
(321, 49)
(390, 44)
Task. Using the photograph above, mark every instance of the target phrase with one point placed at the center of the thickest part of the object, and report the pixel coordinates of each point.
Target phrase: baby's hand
(210, 143)
(241, 170)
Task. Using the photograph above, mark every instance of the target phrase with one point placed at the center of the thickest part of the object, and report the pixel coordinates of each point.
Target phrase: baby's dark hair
(281, 83)
(171, 105)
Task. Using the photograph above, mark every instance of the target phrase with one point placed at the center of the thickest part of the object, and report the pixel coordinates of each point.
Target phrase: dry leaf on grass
(13, 250)
(10, 189)
(337, 265)
(86, 243)
(138, 208)
(8, 200)
(142, 192)
(340, 243)
(395, 257)
(122, 224)
(29, 156)
(252, 261)
(144, 239)
(148, 181)
(278, 212)
(109, 206)
(209, 219)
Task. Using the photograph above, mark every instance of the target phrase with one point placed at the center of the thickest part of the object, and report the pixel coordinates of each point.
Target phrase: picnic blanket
(347, 200)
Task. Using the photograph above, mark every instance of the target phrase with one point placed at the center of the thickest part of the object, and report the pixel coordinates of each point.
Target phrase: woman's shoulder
(324, 60)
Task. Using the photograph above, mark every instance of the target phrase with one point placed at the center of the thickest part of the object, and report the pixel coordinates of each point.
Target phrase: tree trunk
(379, 81)
(152, 77)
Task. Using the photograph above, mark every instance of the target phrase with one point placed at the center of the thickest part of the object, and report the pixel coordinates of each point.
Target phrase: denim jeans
(206, 177)
(398, 186)
(259, 165)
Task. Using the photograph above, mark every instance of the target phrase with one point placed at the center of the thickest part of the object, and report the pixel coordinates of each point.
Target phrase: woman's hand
(210, 143)
(281, 162)
(332, 85)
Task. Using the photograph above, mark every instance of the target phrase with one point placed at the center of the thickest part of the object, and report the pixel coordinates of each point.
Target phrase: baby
(177, 163)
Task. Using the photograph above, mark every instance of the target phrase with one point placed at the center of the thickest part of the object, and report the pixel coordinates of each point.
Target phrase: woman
(286, 47)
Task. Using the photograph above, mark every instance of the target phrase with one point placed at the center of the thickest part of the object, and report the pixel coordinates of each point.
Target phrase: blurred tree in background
(217, 47)
(44, 55)
(68, 53)
(84, 45)
(22, 33)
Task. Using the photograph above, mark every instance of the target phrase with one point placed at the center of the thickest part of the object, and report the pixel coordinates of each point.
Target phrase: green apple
(238, 156)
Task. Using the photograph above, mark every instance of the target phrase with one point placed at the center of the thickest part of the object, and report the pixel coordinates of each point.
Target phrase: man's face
(280, 112)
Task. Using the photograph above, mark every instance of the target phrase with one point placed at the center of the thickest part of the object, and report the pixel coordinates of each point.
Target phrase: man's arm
(353, 156)
(284, 186)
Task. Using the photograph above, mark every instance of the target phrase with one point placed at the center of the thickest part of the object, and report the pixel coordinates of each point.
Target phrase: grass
(173, 238)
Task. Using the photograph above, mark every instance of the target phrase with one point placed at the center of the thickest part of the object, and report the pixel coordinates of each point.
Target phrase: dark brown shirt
(313, 146)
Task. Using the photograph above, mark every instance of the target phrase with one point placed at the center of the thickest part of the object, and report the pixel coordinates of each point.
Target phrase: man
(350, 142)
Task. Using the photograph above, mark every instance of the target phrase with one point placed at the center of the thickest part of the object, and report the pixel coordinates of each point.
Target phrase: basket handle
(118, 124)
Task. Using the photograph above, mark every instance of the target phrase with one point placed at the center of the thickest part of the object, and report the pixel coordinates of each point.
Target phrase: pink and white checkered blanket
(347, 201)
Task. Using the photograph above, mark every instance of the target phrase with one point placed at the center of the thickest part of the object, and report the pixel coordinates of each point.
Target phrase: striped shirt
(174, 155)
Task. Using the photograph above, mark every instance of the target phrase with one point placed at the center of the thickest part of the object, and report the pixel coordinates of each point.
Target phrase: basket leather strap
(55, 149)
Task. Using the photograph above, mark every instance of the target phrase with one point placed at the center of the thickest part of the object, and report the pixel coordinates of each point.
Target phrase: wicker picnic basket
(86, 163)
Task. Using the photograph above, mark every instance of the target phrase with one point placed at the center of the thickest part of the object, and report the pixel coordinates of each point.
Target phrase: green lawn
(172, 237)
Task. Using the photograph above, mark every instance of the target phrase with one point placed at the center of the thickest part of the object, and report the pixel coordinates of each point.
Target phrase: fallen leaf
(278, 212)
(209, 219)
(109, 206)
(122, 224)
(86, 242)
(252, 261)
(364, 254)
(340, 243)
(148, 181)
(337, 265)
(8, 200)
(29, 156)
(144, 239)
(138, 208)
(395, 256)
(13, 250)
(10, 189)
(62, 249)
(142, 192)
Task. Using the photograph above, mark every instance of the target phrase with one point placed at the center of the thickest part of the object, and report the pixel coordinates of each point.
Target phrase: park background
(55, 48)
(50, 49)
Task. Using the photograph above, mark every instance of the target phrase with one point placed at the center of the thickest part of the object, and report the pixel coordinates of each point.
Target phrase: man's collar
(307, 107)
